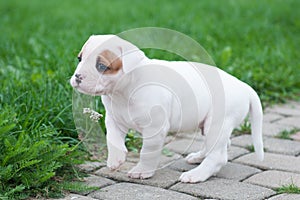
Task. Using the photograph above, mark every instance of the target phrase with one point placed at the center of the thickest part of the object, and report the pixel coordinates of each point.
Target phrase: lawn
(257, 41)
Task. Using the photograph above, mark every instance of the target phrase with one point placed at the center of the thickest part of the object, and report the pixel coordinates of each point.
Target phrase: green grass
(250, 148)
(133, 141)
(291, 189)
(244, 128)
(257, 41)
(286, 134)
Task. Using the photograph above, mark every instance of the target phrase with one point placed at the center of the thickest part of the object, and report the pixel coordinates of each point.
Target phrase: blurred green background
(257, 41)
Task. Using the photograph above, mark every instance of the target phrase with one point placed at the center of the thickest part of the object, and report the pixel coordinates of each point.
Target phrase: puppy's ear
(131, 56)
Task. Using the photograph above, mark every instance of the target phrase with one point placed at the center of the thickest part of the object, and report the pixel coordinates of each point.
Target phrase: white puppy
(155, 97)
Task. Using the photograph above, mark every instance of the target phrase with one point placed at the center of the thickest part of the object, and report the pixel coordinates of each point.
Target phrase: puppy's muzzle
(78, 78)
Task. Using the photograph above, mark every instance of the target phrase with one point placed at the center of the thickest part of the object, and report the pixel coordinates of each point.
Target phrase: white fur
(156, 97)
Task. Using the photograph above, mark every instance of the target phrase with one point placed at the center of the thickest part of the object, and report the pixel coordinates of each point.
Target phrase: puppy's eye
(101, 67)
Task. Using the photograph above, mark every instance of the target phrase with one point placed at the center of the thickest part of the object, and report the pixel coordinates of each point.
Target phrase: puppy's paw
(116, 159)
(193, 176)
(140, 172)
(194, 158)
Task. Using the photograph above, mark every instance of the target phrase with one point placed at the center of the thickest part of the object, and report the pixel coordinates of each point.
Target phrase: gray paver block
(229, 171)
(272, 161)
(273, 145)
(98, 181)
(285, 197)
(182, 166)
(164, 177)
(77, 197)
(287, 147)
(224, 189)
(273, 129)
(290, 121)
(294, 104)
(242, 140)
(186, 135)
(234, 152)
(164, 159)
(168, 160)
(236, 171)
(185, 146)
(274, 179)
(296, 136)
(289, 109)
(89, 166)
(137, 192)
(272, 117)
(133, 157)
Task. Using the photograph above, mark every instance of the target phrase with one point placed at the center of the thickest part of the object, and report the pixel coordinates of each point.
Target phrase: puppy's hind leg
(215, 159)
(197, 157)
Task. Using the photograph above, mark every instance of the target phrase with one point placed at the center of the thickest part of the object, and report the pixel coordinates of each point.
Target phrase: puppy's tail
(256, 119)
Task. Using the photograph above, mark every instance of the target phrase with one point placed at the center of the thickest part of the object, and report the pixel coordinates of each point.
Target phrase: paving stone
(132, 191)
(182, 166)
(236, 171)
(272, 161)
(224, 189)
(169, 160)
(133, 157)
(272, 117)
(190, 136)
(274, 179)
(89, 166)
(77, 197)
(98, 181)
(242, 141)
(229, 171)
(273, 129)
(165, 160)
(285, 197)
(294, 104)
(234, 152)
(290, 121)
(184, 146)
(287, 147)
(296, 136)
(274, 145)
(164, 177)
(285, 109)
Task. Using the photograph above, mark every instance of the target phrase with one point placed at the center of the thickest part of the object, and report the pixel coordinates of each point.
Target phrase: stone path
(243, 177)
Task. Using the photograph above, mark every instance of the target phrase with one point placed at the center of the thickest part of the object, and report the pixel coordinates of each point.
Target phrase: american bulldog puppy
(155, 97)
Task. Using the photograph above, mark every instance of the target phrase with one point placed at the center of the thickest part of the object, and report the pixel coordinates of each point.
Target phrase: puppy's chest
(124, 113)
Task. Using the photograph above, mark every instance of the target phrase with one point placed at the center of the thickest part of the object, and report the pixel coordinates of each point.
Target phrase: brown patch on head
(108, 62)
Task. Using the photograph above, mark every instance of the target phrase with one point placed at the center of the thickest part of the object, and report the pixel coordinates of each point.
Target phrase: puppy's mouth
(88, 91)
(92, 93)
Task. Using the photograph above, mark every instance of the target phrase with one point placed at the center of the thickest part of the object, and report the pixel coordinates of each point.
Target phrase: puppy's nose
(78, 78)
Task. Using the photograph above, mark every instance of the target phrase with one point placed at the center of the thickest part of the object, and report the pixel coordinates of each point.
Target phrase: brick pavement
(242, 178)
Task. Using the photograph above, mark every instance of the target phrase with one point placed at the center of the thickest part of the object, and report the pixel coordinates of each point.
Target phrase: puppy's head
(103, 60)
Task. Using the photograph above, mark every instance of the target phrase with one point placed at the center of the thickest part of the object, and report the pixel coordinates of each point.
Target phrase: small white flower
(94, 116)
(86, 110)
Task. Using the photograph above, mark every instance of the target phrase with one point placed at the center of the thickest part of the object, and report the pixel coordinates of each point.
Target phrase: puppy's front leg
(115, 144)
(152, 120)
(149, 155)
